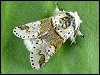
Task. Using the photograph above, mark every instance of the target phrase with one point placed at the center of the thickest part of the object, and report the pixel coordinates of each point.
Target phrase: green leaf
(79, 58)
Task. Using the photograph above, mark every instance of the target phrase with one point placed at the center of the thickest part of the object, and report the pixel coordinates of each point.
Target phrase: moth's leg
(74, 34)
(72, 37)
(80, 34)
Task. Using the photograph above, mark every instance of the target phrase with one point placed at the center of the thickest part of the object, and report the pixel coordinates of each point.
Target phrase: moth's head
(68, 24)
(76, 19)
(66, 19)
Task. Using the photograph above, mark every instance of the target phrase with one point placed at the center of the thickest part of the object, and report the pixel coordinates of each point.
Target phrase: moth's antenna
(55, 3)
(57, 9)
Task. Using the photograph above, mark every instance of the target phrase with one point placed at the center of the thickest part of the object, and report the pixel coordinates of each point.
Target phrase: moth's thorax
(65, 25)
(64, 20)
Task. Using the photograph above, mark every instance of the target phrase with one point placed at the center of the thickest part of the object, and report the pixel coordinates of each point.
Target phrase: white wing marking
(29, 30)
(40, 52)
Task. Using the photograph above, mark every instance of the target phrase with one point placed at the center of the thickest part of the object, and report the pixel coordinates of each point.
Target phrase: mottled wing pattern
(42, 48)
(27, 31)
(43, 38)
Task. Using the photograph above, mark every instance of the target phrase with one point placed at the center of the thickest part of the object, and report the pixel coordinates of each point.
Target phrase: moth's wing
(29, 30)
(40, 52)
(66, 32)
(69, 33)
(34, 58)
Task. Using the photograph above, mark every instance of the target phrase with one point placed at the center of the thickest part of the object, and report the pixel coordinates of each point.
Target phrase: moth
(44, 37)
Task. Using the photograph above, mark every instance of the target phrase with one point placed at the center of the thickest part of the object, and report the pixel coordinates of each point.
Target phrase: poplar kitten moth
(43, 37)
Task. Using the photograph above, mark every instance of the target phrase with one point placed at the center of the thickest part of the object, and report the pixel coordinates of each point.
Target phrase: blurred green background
(79, 58)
